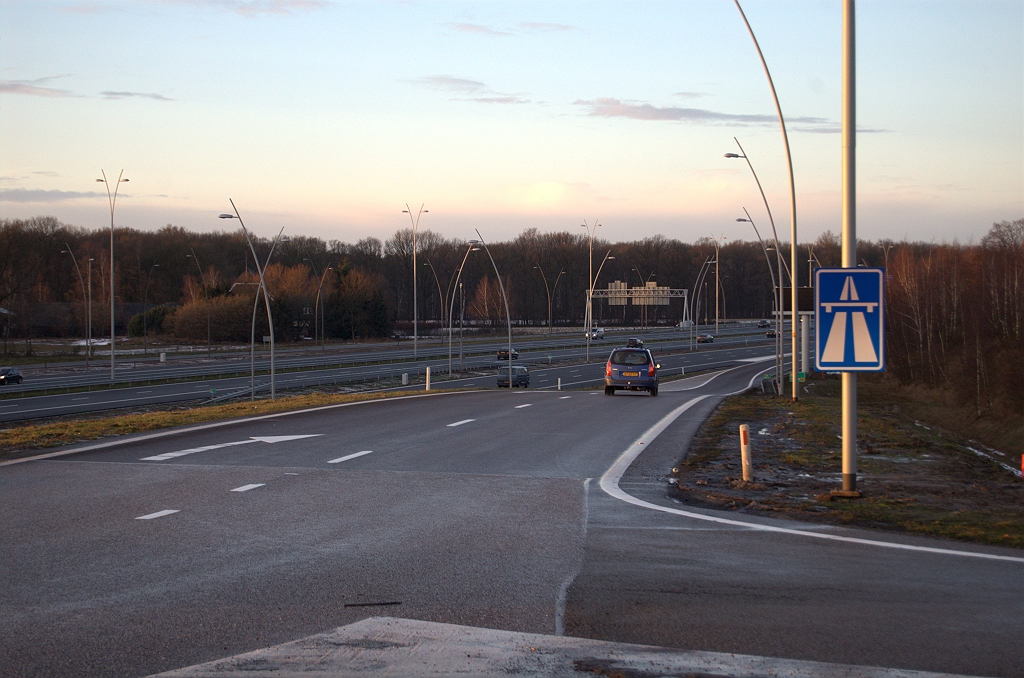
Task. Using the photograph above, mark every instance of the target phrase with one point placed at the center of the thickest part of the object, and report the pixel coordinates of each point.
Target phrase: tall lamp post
(458, 281)
(415, 224)
(643, 282)
(792, 193)
(206, 293)
(778, 257)
(590, 297)
(145, 309)
(441, 301)
(85, 304)
(718, 281)
(508, 313)
(776, 301)
(705, 267)
(549, 290)
(317, 308)
(590, 281)
(112, 199)
(88, 324)
(266, 300)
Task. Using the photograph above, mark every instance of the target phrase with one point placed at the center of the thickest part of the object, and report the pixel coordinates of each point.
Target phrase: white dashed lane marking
(460, 423)
(519, 407)
(350, 456)
(246, 488)
(565, 397)
(158, 514)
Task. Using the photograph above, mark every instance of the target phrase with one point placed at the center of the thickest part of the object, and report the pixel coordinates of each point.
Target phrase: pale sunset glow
(326, 117)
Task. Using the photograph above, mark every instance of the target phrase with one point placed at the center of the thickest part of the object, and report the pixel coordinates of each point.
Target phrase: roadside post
(745, 452)
(559, 383)
(428, 379)
(405, 378)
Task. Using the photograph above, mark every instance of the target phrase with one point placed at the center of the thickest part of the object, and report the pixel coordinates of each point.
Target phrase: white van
(596, 333)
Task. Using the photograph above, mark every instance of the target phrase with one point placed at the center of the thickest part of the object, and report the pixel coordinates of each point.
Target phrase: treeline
(955, 321)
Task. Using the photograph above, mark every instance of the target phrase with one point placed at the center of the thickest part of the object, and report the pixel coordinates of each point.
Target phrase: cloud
(32, 195)
(126, 95)
(614, 108)
(35, 88)
(473, 89)
(246, 8)
(546, 28)
(479, 29)
(463, 85)
(690, 95)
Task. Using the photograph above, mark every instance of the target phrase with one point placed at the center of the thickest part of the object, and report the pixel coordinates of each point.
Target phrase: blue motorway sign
(849, 307)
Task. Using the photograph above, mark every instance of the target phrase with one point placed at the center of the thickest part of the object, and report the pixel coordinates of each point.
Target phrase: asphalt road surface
(519, 510)
(670, 348)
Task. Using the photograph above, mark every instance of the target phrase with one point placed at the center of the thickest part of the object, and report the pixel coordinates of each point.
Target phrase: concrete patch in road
(387, 646)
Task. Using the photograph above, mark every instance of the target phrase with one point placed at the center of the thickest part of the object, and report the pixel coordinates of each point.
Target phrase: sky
(327, 117)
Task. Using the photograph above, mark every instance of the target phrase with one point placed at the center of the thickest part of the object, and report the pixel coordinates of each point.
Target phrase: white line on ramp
(610, 484)
(460, 423)
(158, 514)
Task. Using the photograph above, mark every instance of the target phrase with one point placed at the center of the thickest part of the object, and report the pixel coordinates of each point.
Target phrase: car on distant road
(705, 339)
(595, 333)
(771, 334)
(9, 375)
(763, 323)
(520, 377)
(682, 324)
(633, 342)
(631, 369)
(503, 354)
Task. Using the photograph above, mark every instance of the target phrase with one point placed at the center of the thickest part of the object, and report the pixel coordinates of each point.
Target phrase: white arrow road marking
(246, 488)
(205, 448)
(158, 514)
(460, 423)
(351, 456)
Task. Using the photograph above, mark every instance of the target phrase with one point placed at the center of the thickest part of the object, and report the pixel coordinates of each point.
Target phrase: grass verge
(916, 478)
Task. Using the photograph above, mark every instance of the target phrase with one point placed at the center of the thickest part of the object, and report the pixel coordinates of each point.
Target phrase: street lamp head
(744, 220)
(285, 239)
(474, 242)
(156, 265)
(734, 155)
(610, 258)
(189, 256)
(100, 181)
(124, 181)
(226, 216)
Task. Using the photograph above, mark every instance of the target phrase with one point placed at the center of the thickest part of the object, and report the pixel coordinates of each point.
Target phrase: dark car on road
(631, 369)
(520, 377)
(503, 354)
(705, 339)
(771, 334)
(9, 375)
(633, 342)
(763, 323)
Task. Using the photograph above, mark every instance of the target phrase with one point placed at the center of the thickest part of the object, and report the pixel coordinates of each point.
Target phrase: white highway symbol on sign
(850, 319)
(255, 439)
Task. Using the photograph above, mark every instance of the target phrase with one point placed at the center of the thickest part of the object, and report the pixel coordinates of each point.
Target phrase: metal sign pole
(849, 114)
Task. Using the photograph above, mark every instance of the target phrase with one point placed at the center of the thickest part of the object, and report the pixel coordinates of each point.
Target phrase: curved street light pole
(206, 294)
(608, 256)
(778, 256)
(705, 267)
(320, 305)
(549, 291)
(145, 309)
(440, 299)
(316, 306)
(451, 308)
(112, 199)
(776, 298)
(792, 198)
(266, 300)
(85, 304)
(590, 286)
(415, 223)
(508, 313)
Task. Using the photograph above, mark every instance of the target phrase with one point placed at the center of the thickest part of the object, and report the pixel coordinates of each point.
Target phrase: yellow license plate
(631, 374)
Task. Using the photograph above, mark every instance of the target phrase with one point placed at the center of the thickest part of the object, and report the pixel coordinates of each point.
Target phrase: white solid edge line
(158, 514)
(350, 456)
(611, 477)
(246, 488)
(219, 424)
(460, 423)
